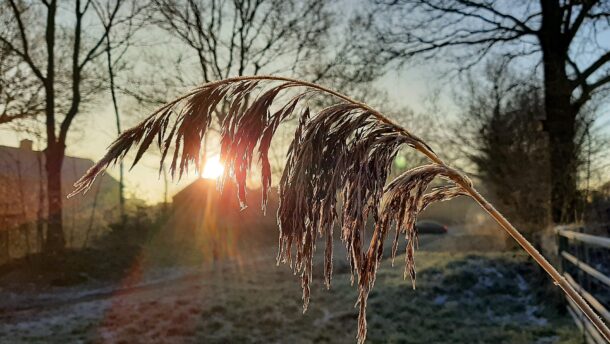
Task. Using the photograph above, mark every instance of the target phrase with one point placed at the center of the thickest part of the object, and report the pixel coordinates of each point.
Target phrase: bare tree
(499, 132)
(217, 39)
(310, 39)
(245, 36)
(59, 52)
(118, 44)
(20, 91)
(562, 35)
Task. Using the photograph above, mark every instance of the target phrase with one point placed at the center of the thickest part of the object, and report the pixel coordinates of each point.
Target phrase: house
(23, 200)
(216, 224)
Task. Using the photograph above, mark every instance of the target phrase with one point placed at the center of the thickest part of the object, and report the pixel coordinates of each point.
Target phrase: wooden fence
(585, 263)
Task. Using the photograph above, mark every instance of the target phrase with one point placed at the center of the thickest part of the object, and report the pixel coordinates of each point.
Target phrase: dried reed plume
(339, 155)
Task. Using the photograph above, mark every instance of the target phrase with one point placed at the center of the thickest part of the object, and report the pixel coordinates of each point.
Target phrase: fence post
(562, 245)
(581, 278)
(581, 254)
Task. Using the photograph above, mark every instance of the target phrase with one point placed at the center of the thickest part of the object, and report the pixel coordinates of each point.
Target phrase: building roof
(29, 163)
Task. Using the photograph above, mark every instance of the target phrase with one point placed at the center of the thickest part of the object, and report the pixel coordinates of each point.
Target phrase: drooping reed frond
(335, 175)
(340, 155)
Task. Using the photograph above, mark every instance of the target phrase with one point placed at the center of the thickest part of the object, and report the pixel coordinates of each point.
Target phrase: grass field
(460, 298)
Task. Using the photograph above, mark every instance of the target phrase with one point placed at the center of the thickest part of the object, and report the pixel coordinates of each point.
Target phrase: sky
(408, 86)
(95, 130)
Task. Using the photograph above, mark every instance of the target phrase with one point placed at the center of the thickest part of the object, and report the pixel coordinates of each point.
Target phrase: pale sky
(95, 129)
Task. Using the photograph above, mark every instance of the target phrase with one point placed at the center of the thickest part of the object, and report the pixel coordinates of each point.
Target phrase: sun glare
(213, 168)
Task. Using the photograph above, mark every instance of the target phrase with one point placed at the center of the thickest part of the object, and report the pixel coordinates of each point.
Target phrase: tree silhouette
(564, 35)
(62, 68)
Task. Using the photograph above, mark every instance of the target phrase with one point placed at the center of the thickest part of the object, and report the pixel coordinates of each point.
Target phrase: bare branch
(96, 46)
(580, 18)
(425, 28)
(488, 7)
(77, 66)
(257, 32)
(594, 67)
(25, 54)
(5, 118)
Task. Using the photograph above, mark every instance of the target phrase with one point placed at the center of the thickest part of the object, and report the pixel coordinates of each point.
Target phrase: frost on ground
(484, 298)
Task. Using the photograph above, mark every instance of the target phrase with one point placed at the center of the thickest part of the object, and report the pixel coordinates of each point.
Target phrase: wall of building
(23, 202)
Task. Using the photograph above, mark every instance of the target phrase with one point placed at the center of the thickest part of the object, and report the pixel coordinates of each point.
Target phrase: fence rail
(593, 240)
(575, 250)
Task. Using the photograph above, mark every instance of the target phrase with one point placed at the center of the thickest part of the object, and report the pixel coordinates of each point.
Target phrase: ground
(461, 297)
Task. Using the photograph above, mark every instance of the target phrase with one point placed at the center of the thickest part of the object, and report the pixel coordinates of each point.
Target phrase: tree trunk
(55, 241)
(117, 118)
(560, 120)
(40, 210)
(561, 126)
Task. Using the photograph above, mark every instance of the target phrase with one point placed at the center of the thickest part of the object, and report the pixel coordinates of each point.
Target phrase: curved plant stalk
(350, 129)
(557, 278)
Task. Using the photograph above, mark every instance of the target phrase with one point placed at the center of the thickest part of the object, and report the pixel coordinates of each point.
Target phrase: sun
(213, 168)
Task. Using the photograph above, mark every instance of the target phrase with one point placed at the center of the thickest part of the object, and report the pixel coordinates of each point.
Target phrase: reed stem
(558, 279)
(458, 178)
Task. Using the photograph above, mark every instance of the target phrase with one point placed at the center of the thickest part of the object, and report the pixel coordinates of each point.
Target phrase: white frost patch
(522, 283)
(440, 300)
